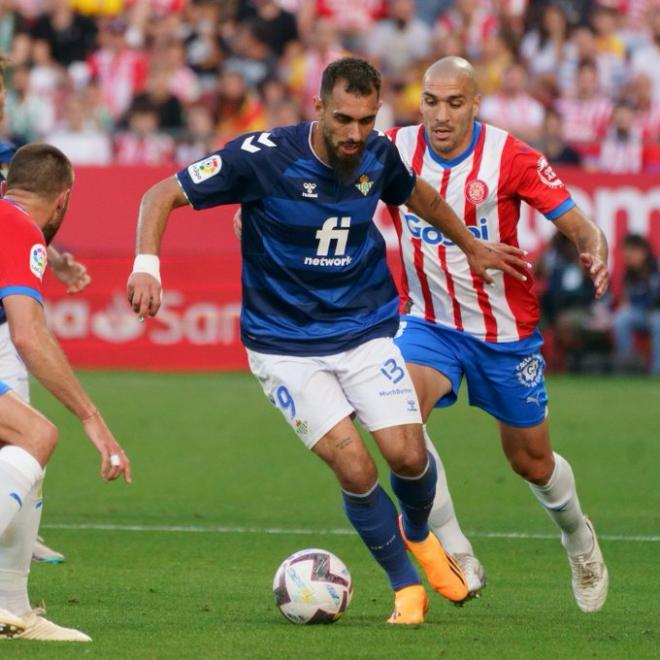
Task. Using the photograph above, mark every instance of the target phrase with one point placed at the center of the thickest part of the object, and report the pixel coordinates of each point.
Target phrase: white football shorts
(316, 393)
(12, 368)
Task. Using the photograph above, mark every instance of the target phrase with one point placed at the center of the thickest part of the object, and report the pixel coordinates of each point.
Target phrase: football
(312, 586)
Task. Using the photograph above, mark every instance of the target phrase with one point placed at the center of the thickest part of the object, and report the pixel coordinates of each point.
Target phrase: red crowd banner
(197, 327)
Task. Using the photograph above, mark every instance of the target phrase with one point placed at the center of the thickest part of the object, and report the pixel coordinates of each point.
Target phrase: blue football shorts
(4, 387)
(506, 379)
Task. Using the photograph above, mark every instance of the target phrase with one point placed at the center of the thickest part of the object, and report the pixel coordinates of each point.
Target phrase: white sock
(16, 545)
(19, 472)
(443, 517)
(559, 498)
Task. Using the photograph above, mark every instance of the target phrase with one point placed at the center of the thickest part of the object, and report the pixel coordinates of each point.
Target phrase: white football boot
(38, 628)
(590, 578)
(10, 624)
(41, 552)
(474, 572)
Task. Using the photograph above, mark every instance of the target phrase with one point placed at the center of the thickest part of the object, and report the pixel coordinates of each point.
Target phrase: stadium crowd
(161, 82)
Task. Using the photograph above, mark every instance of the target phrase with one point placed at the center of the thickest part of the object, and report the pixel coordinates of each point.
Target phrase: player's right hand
(114, 461)
(144, 294)
(500, 256)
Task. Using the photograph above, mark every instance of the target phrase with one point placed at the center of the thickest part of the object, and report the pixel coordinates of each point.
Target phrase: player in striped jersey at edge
(320, 307)
(454, 327)
(72, 274)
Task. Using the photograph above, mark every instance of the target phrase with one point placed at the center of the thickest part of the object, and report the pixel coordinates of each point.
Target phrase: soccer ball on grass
(312, 586)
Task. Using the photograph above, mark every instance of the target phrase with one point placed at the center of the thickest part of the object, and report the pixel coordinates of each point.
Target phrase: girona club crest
(476, 191)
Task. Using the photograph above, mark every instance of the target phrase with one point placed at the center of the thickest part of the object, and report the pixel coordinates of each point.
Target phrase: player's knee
(357, 478)
(411, 461)
(45, 436)
(535, 470)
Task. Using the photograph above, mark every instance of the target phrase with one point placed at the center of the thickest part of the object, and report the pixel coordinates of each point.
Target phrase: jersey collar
(447, 164)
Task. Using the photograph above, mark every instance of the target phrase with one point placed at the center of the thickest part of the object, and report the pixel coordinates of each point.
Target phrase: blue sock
(416, 497)
(374, 517)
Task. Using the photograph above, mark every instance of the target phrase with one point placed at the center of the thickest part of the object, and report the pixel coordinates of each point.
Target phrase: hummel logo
(310, 190)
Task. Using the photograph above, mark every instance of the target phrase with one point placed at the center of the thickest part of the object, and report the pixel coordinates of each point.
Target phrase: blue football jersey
(314, 275)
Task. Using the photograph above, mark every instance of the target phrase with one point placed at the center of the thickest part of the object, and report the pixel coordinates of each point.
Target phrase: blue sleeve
(21, 291)
(228, 176)
(561, 209)
(399, 178)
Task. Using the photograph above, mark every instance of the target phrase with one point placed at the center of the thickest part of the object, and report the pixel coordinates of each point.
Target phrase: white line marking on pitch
(338, 531)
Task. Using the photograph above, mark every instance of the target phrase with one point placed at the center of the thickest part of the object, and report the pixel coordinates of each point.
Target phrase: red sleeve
(530, 177)
(23, 258)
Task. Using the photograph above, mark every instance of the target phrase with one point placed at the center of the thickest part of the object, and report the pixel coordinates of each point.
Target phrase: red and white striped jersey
(485, 186)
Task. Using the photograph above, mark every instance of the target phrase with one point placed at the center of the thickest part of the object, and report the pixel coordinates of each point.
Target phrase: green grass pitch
(214, 460)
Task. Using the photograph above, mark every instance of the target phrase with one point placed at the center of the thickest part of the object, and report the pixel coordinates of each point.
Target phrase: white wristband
(149, 264)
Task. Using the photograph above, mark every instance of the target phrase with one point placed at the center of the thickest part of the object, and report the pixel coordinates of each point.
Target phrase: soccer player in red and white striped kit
(454, 327)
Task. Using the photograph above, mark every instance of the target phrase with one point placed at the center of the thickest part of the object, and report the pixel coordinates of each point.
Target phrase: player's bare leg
(551, 479)
(430, 386)
(413, 478)
(373, 515)
(30, 440)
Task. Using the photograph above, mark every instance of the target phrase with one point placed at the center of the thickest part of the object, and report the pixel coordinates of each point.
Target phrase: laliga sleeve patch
(547, 174)
(205, 169)
(38, 259)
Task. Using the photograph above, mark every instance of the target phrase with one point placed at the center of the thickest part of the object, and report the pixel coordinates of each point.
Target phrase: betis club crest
(364, 184)
(476, 191)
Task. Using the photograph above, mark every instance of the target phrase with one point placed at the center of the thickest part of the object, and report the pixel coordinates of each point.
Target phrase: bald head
(450, 103)
(451, 68)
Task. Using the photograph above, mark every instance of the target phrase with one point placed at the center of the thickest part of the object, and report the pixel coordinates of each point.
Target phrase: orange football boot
(410, 605)
(441, 569)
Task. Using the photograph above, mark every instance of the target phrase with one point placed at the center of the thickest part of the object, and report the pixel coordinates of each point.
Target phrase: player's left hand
(598, 272)
(71, 273)
(500, 256)
(237, 224)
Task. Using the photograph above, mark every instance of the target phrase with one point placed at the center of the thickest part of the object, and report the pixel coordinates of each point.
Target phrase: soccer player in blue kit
(320, 307)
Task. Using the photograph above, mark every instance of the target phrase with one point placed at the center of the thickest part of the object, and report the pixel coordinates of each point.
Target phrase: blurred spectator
(552, 144)
(304, 76)
(157, 92)
(354, 20)
(199, 136)
(647, 111)
(277, 26)
(81, 140)
(585, 115)
(512, 108)
(47, 77)
(605, 22)
(252, 56)
(579, 323)
(29, 116)
(646, 60)
(184, 84)
(121, 71)
(400, 40)
(622, 150)
(238, 110)
(204, 48)
(142, 143)
(583, 47)
(545, 48)
(473, 21)
(499, 54)
(71, 35)
(11, 23)
(284, 112)
(639, 310)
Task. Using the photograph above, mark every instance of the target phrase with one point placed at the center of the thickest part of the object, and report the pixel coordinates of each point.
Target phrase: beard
(345, 167)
